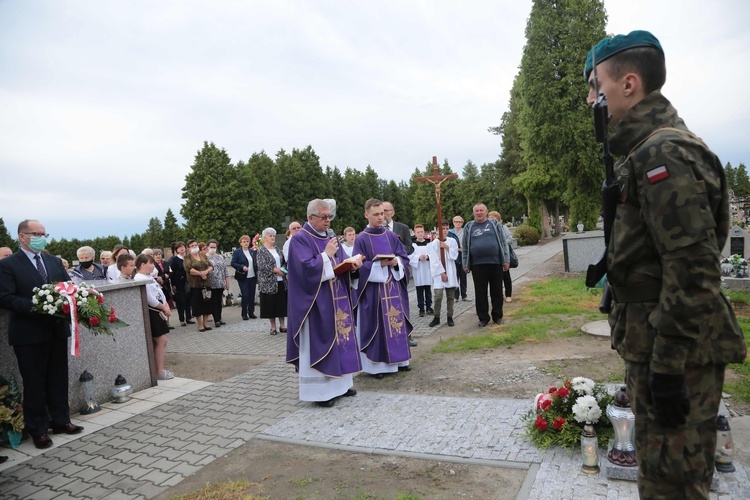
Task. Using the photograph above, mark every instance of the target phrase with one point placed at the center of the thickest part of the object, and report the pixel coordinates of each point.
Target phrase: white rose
(34, 300)
(50, 299)
(84, 293)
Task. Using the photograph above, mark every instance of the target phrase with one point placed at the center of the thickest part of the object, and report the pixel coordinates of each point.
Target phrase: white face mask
(212, 250)
(195, 250)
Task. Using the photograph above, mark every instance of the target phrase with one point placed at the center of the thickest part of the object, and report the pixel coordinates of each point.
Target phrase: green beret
(608, 47)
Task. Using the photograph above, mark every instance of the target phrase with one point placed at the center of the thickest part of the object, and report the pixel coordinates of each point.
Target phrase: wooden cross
(436, 179)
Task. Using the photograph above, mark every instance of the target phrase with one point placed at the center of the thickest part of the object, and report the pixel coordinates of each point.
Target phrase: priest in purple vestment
(321, 339)
(382, 302)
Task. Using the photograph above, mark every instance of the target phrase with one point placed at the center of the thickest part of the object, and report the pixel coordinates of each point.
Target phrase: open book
(347, 265)
(383, 256)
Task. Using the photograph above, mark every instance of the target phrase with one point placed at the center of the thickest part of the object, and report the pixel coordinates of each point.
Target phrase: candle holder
(91, 406)
(121, 390)
(589, 449)
(623, 421)
(724, 446)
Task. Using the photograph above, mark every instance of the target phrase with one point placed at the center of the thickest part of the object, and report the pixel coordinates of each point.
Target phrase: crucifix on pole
(436, 180)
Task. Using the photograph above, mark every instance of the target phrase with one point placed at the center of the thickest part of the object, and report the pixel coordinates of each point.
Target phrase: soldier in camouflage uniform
(670, 321)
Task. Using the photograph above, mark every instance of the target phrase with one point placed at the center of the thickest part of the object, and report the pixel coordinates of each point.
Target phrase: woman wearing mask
(180, 285)
(218, 280)
(272, 281)
(197, 268)
(245, 265)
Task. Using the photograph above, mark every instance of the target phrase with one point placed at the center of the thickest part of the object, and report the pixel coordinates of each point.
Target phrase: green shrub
(527, 235)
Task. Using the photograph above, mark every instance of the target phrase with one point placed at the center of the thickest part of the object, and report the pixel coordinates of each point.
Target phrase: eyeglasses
(38, 235)
(323, 217)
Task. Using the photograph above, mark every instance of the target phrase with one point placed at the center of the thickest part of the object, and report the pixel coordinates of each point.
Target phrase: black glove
(669, 398)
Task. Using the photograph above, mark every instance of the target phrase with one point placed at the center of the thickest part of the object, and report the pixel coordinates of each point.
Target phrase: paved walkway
(176, 433)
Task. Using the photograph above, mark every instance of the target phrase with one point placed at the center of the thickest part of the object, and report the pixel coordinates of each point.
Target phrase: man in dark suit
(39, 341)
(402, 230)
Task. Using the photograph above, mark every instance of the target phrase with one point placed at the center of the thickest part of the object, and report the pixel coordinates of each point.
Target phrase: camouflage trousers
(676, 463)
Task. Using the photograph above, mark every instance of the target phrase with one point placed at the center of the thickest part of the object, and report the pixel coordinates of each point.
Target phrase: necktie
(40, 268)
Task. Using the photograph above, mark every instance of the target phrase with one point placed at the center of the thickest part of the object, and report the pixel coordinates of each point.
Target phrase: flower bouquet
(734, 264)
(81, 303)
(558, 415)
(11, 412)
(256, 241)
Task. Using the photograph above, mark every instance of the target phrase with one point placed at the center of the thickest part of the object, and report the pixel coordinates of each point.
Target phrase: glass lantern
(121, 391)
(90, 404)
(589, 449)
(623, 421)
(580, 226)
(724, 445)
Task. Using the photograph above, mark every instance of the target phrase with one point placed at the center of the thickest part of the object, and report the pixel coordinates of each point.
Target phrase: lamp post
(623, 421)
(724, 445)
(589, 449)
(91, 406)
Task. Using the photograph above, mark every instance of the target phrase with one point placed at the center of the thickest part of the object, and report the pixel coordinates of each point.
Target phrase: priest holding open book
(321, 338)
(382, 302)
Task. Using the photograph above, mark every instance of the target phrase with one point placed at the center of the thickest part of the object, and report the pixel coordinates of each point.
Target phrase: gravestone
(737, 243)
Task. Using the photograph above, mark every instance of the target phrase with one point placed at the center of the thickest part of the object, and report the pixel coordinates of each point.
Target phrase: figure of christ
(321, 338)
(382, 305)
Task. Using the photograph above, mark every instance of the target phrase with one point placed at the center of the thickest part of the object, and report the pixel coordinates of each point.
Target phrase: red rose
(540, 424)
(552, 390)
(558, 423)
(100, 299)
(111, 310)
(568, 384)
(112, 318)
(66, 308)
(94, 321)
(563, 392)
(545, 404)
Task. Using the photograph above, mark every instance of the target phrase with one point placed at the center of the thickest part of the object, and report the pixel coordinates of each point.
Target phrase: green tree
(555, 124)
(269, 177)
(154, 235)
(171, 231)
(5, 239)
(731, 175)
(257, 213)
(214, 197)
(742, 181)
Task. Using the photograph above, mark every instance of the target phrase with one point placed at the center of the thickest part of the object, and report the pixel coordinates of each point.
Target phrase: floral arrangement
(733, 264)
(80, 303)
(256, 241)
(11, 411)
(558, 415)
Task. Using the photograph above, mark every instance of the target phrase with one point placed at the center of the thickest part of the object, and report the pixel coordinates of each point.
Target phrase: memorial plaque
(737, 246)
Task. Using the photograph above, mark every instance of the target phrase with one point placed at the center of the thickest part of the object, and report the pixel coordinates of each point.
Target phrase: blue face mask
(37, 243)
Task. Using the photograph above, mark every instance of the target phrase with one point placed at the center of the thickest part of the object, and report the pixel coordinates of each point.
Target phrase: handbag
(240, 275)
(206, 293)
(513, 258)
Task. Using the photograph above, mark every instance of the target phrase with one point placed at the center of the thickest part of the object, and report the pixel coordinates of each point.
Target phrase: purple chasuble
(383, 307)
(326, 306)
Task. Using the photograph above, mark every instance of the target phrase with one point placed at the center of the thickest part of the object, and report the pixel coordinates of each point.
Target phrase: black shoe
(499, 321)
(430, 311)
(245, 318)
(412, 342)
(171, 327)
(218, 324)
(326, 404)
(282, 330)
(464, 298)
(67, 429)
(350, 393)
(42, 442)
(450, 321)
(434, 322)
(406, 368)
(421, 313)
(483, 323)
(379, 376)
(190, 322)
(253, 316)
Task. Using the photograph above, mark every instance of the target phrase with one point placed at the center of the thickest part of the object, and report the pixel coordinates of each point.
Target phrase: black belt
(645, 291)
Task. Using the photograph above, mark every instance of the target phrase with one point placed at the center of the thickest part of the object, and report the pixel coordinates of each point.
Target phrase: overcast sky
(104, 104)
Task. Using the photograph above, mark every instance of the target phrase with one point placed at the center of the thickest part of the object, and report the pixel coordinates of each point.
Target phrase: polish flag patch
(657, 174)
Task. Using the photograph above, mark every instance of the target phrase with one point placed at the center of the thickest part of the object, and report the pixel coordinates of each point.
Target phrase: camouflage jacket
(672, 222)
